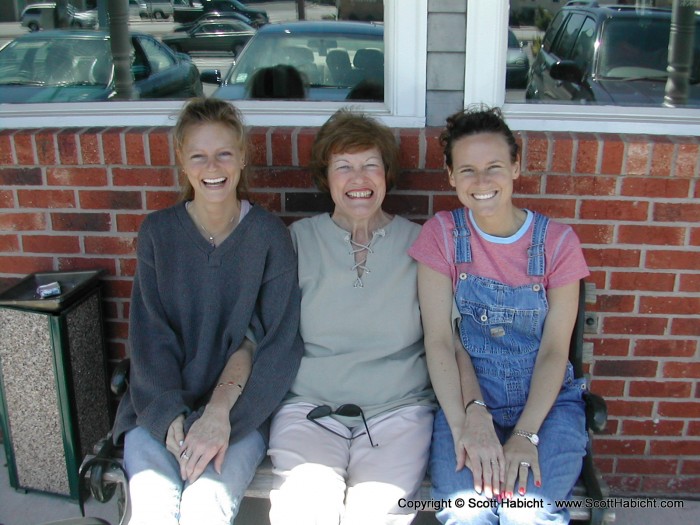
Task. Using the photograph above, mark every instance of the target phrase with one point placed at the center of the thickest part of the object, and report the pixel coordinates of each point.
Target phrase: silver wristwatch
(530, 436)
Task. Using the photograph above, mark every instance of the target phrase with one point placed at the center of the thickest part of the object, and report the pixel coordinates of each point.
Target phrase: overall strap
(535, 253)
(461, 233)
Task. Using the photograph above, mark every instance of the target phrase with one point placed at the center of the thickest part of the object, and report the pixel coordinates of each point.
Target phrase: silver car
(314, 60)
(160, 10)
(138, 9)
(42, 16)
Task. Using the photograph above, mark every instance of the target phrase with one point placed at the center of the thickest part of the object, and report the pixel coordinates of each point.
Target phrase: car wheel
(33, 26)
(158, 15)
(76, 24)
(530, 92)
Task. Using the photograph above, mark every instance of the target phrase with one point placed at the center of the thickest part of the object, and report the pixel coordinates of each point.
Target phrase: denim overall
(501, 328)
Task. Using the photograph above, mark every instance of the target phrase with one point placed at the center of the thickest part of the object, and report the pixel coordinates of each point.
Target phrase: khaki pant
(323, 479)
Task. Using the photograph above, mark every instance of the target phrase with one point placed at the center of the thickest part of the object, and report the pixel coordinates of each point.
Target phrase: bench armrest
(596, 412)
(120, 377)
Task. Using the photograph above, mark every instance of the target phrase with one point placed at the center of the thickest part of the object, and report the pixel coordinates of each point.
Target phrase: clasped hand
(495, 468)
(207, 439)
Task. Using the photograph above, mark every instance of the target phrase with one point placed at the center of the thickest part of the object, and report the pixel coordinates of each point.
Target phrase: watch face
(530, 436)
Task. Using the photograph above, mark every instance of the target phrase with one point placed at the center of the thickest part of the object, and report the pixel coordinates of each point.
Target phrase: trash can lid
(74, 285)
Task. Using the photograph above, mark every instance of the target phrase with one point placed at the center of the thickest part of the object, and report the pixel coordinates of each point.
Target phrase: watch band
(530, 436)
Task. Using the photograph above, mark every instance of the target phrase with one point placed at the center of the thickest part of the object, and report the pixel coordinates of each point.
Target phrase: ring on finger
(184, 455)
(524, 464)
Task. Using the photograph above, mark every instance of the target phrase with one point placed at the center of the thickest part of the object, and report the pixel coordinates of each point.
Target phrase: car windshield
(56, 62)
(637, 49)
(327, 62)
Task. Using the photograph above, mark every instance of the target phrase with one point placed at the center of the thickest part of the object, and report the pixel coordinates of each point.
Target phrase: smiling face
(212, 158)
(357, 185)
(483, 173)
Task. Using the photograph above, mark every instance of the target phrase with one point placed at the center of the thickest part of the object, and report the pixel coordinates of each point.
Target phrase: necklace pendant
(211, 241)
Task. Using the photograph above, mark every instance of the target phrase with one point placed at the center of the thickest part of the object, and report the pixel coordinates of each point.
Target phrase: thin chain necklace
(210, 237)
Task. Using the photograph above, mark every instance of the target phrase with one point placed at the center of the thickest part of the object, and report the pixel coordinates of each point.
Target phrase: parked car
(337, 60)
(517, 63)
(186, 14)
(159, 10)
(42, 16)
(76, 65)
(607, 55)
(214, 16)
(137, 8)
(229, 36)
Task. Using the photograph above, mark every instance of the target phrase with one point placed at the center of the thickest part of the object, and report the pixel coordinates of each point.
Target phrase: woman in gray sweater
(211, 270)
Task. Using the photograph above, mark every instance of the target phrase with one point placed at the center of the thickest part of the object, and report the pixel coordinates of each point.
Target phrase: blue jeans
(159, 496)
(562, 447)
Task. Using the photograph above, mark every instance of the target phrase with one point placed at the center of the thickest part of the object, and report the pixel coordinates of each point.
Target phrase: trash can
(54, 398)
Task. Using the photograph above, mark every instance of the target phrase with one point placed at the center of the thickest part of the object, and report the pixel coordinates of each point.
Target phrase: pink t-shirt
(503, 259)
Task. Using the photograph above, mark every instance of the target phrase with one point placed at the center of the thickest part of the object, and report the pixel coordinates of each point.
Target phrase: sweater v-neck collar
(214, 254)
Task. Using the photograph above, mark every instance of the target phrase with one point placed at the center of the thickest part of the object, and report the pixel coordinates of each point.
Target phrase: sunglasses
(347, 410)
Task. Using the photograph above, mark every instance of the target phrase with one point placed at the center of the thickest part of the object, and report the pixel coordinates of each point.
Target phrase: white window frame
(405, 42)
(484, 83)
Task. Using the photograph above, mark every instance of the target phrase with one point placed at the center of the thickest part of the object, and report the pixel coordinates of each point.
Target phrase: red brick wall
(74, 199)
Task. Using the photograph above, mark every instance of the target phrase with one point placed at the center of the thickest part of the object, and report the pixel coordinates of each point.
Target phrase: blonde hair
(210, 111)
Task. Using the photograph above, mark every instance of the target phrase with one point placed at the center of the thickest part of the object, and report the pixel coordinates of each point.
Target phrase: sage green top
(363, 339)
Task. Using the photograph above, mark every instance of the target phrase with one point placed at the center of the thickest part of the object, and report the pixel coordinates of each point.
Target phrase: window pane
(404, 103)
(327, 65)
(603, 54)
(182, 49)
(324, 60)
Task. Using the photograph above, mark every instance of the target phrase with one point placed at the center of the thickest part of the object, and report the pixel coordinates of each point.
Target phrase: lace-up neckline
(360, 266)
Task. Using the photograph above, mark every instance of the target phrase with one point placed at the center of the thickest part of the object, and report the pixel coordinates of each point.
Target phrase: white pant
(323, 479)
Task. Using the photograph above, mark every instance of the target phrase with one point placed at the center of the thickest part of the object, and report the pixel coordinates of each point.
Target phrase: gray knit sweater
(190, 308)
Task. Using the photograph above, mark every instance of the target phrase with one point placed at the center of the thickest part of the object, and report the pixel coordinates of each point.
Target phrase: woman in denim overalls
(511, 410)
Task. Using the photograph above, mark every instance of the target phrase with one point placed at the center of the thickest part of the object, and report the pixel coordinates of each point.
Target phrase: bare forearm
(544, 387)
(232, 379)
(445, 378)
(552, 357)
(469, 382)
(436, 301)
